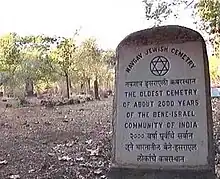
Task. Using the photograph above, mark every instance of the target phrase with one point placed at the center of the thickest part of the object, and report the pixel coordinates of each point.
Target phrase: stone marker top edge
(161, 35)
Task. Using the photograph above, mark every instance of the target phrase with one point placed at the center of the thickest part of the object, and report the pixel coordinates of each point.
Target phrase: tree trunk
(107, 83)
(70, 84)
(29, 87)
(89, 84)
(96, 89)
(81, 86)
(67, 85)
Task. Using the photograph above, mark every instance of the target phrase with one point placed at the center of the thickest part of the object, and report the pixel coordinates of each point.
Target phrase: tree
(64, 57)
(109, 58)
(30, 62)
(160, 10)
(209, 12)
(10, 58)
(109, 62)
(89, 58)
(94, 64)
(35, 64)
(214, 67)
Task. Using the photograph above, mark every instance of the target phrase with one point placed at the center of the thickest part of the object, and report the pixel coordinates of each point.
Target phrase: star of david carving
(159, 66)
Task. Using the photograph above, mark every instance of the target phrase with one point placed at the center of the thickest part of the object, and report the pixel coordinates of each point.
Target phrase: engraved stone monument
(162, 110)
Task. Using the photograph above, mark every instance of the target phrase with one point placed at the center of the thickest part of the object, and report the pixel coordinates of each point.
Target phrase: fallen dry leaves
(71, 141)
(64, 142)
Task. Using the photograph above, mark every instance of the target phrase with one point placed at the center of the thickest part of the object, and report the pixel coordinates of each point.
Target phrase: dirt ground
(66, 142)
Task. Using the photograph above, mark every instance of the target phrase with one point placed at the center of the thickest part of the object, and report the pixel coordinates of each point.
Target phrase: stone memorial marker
(162, 110)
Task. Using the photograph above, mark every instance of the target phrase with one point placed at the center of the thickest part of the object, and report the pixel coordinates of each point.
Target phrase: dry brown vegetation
(71, 141)
(64, 142)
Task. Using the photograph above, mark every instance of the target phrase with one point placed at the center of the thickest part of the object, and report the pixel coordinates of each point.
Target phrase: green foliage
(161, 10)
(10, 58)
(89, 59)
(109, 58)
(9, 51)
(209, 12)
(64, 58)
(64, 54)
(45, 61)
(214, 67)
